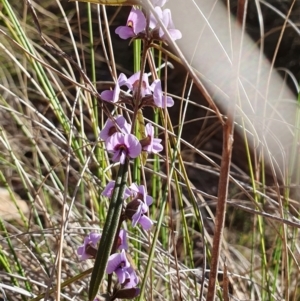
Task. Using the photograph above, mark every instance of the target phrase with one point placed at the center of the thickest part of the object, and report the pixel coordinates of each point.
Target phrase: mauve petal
(149, 200)
(142, 190)
(113, 262)
(161, 100)
(94, 238)
(84, 256)
(136, 217)
(145, 222)
(153, 22)
(137, 20)
(120, 121)
(175, 34)
(132, 280)
(171, 24)
(108, 189)
(133, 78)
(167, 18)
(121, 274)
(104, 134)
(134, 146)
(144, 208)
(113, 141)
(116, 93)
(145, 86)
(149, 129)
(170, 101)
(123, 258)
(133, 187)
(124, 32)
(117, 156)
(156, 146)
(91, 239)
(80, 250)
(123, 237)
(110, 146)
(127, 193)
(122, 79)
(157, 101)
(158, 89)
(148, 148)
(107, 95)
(154, 83)
(123, 124)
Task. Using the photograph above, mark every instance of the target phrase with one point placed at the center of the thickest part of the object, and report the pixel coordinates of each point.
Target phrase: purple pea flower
(108, 190)
(141, 217)
(131, 280)
(166, 18)
(137, 209)
(122, 240)
(89, 247)
(160, 100)
(113, 96)
(151, 144)
(136, 24)
(122, 146)
(133, 84)
(119, 264)
(110, 127)
(139, 192)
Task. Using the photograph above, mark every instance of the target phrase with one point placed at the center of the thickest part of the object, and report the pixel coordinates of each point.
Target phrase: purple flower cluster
(143, 93)
(89, 248)
(149, 95)
(137, 209)
(121, 143)
(136, 24)
(118, 263)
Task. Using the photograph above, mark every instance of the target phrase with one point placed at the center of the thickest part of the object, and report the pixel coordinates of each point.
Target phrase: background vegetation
(55, 58)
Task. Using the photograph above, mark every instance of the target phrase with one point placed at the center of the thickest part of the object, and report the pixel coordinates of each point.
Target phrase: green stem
(109, 230)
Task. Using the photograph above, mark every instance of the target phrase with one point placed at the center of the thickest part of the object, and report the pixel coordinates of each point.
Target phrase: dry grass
(50, 155)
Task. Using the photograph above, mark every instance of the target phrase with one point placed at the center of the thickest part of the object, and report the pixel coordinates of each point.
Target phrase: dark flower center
(122, 265)
(121, 148)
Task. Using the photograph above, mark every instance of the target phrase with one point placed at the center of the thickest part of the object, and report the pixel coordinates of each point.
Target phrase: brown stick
(221, 205)
(225, 168)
